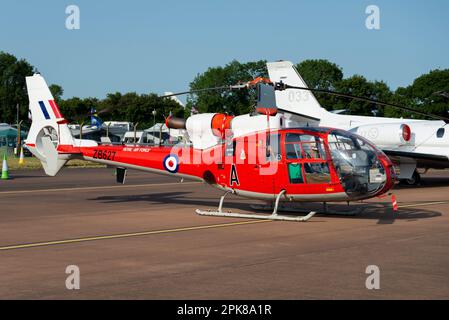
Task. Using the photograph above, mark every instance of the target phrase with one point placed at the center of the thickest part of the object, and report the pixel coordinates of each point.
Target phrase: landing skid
(274, 216)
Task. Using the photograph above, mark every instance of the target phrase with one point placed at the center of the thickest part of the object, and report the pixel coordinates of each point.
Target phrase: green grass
(34, 163)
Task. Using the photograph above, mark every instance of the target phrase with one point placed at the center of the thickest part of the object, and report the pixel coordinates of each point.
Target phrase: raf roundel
(171, 163)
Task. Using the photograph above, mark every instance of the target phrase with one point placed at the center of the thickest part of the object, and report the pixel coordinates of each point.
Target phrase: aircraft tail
(95, 121)
(295, 101)
(174, 98)
(49, 130)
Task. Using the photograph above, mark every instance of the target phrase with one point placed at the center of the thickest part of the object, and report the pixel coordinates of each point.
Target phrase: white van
(130, 137)
(146, 137)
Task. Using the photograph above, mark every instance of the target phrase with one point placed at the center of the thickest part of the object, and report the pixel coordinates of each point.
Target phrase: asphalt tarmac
(143, 240)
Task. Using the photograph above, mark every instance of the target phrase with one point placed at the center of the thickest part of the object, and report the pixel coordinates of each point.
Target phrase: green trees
(323, 75)
(318, 74)
(429, 92)
(127, 107)
(13, 87)
(76, 109)
(138, 108)
(233, 102)
(359, 86)
(56, 91)
(426, 94)
(130, 106)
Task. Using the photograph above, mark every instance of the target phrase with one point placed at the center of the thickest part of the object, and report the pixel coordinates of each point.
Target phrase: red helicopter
(253, 155)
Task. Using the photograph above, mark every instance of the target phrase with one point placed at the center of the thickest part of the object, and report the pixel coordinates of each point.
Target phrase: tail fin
(299, 102)
(95, 121)
(48, 127)
(174, 98)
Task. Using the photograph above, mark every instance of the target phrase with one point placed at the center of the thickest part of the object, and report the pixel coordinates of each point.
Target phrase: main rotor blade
(230, 87)
(380, 103)
(282, 86)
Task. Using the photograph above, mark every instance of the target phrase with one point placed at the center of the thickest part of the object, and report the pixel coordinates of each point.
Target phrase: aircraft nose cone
(390, 173)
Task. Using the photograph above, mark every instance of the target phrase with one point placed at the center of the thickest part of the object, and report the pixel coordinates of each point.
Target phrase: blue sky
(157, 46)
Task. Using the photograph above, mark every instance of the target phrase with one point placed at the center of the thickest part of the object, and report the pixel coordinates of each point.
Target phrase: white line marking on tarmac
(128, 235)
(423, 204)
(98, 188)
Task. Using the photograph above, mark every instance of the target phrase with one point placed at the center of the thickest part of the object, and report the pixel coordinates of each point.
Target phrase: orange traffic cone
(394, 202)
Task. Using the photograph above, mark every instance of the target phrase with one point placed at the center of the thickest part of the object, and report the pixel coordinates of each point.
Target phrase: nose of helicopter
(364, 173)
(364, 170)
(389, 172)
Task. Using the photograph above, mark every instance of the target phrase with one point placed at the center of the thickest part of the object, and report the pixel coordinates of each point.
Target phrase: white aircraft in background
(411, 144)
(174, 98)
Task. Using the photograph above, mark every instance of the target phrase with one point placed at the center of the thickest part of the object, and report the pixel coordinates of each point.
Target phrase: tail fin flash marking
(44, 110)
(55, 109)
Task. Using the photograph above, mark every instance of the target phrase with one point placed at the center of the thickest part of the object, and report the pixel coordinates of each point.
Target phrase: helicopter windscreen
(357, 163)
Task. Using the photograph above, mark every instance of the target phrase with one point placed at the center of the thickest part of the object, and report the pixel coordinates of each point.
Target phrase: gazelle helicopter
(255, 155)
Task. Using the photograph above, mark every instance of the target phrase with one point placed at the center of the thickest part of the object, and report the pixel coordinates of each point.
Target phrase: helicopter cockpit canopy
(357, 163)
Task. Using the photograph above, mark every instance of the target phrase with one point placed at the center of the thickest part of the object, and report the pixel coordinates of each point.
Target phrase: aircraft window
(293, 151)
(148, 138)
(230, 147)
(337, 142)
(440, 133)
(274, 148)
(129, 140)
(295, 173)
(292, 137)
(313, 150)
(317, 173)
(311, 146)
(296, 137)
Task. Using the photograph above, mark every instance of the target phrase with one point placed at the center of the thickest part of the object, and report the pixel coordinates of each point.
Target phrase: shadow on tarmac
(426, 182)
(375, 211)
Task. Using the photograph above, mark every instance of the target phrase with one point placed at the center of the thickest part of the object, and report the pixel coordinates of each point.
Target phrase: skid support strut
(274, 216)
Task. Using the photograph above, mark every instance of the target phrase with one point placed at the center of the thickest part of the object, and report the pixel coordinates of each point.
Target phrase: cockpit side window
(311, 166)
(314, 150)
(295, 173)
(273, 147)
(338, 142)
(317, 173)
(293, 146)
(303, 146)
